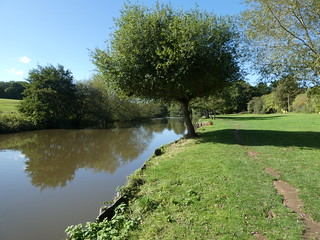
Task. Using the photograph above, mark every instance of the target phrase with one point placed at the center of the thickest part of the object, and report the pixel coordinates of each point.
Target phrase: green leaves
(117, 228)
(285, 35)
(49, 96)
(168, 54)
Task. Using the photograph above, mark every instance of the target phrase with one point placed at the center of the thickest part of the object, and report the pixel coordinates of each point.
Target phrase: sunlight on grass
(212, 188)
(8, 105)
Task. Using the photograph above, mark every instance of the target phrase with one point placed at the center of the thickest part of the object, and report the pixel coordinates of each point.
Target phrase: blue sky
(42, 32)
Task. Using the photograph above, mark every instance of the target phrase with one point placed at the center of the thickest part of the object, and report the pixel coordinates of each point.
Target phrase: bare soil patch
(260, 236)
(272, 172)
(292, 201)
(252, 154)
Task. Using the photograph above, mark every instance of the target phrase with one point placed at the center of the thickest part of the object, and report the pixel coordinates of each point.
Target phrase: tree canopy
(161, 53)
(285, 36)
(49, 96)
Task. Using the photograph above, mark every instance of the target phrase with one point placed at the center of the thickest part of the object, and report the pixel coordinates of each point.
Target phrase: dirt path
(290, 196)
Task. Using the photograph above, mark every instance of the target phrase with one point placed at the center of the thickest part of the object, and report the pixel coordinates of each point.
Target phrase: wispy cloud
(15, 71)
(24, 59)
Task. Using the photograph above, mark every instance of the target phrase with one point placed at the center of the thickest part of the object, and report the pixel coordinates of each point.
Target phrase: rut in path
(290, 195)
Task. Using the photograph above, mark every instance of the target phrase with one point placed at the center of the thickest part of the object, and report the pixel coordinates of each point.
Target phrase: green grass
(210, 188)
(290, 144)
(8, 105)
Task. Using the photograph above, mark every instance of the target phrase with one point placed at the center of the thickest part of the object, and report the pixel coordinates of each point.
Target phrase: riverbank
(225, 184)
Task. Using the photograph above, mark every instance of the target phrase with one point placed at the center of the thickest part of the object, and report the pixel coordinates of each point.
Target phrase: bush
(308, 102)
(117, 228)
(301, 104)
(256, 105)
(10, 123)
(263, 104)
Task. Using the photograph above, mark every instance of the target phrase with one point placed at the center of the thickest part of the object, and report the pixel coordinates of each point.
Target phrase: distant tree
(255, 105)
(15, 90)
(237, 97)
(112, 107)
(161, 53)
(263, 104)
(314, 97)
(286, 90)
(174, 110)
(12, 89)
(262, 88)
(285, 35)
(92, 105)
(3, 86)
(233, 99)
(49, 97)
(209, 105)
(301, 104)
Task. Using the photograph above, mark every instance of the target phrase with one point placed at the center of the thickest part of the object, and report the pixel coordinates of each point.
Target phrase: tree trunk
(206, 113)
(187, 119)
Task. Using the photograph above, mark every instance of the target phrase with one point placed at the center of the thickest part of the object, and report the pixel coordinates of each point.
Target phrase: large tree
(49, 96)
(285, 35)
(161, 53)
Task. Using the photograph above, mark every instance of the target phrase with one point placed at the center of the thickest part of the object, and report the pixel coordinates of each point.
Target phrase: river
(50, 179)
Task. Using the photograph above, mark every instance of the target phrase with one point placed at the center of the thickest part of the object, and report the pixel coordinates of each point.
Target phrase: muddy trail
(290, 196)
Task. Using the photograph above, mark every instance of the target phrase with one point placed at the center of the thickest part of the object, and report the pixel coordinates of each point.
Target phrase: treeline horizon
(279, 96)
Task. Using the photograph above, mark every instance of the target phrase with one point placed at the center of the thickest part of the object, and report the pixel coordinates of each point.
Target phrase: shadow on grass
(240, 118)
(263, 138)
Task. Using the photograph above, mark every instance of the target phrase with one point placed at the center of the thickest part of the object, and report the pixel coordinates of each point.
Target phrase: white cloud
(15, 71)
(24, 59)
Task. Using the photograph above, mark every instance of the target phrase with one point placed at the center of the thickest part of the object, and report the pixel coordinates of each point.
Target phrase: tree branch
(288, 31)
(306, 30)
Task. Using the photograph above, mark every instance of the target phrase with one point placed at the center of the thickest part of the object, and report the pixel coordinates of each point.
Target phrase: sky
(52, 32)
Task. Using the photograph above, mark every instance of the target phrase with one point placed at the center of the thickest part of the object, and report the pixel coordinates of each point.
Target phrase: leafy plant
(10, 123)
(117, 228)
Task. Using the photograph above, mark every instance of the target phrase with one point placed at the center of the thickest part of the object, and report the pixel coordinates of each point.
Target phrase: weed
(118, 227)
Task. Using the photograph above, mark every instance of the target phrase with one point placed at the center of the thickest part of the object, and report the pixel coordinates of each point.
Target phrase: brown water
(50, 179)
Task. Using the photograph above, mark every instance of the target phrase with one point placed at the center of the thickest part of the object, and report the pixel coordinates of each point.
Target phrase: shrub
(117, 228)
(10, 123)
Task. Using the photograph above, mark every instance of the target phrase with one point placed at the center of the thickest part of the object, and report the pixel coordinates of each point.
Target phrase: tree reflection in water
(54, 156)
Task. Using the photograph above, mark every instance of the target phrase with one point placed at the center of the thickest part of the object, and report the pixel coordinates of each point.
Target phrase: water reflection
(54, 156)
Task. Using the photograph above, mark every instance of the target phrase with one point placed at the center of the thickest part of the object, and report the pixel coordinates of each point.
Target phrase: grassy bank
(216, 186)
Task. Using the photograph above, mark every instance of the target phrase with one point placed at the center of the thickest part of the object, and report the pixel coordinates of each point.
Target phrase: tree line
(12, 89)
(53, 100)
(287, 95)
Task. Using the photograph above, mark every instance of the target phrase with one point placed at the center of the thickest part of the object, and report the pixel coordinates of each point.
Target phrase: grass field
(8, 105)
(215, 187)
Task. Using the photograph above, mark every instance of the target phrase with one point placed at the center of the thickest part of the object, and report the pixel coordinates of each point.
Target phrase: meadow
(8, 105)
(222, 184)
